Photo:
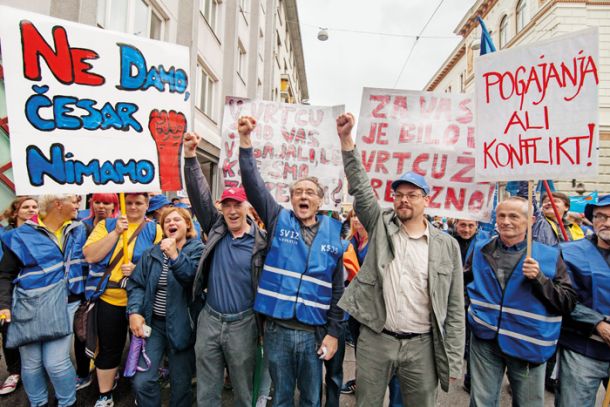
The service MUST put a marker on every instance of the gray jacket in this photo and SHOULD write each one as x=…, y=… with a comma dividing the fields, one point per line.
x=363, y=298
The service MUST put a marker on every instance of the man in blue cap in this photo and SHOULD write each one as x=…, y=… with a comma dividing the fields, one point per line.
x=584, y=359
x=408, y=294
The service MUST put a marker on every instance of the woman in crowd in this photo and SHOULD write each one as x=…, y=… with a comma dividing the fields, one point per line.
x=106, y=283
x=43, y=259
x=159, y=292
x=101, y=206
x=19, y=211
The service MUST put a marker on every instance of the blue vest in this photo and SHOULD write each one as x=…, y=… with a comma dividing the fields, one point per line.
x=145, y=240
x=44, y=262
x=480, y=236
x=296, y=281
x=590, y=275
x=523, y=326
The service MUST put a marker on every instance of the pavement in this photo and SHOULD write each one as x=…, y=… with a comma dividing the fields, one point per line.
x=123, y=397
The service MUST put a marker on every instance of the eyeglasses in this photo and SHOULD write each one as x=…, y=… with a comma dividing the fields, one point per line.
x=600, y=217
x=412, y=197
x=307, y=192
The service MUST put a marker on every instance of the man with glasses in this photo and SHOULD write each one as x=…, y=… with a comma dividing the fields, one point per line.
x=301, y=281
x=408, y=294
x=584, y=356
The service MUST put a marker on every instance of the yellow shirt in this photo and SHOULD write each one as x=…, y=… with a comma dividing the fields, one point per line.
x=59, y=233
x=117, y=296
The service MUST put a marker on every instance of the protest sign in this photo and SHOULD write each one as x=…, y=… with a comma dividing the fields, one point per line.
x=290, y=142
x=537, y=110
x=428, y=133
x=92, y=110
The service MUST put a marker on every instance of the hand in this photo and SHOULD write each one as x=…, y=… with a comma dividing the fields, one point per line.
x=531, y=269
x=168, y=246
x=345, y=123
x=127, y=268
x=330, y=343
x=167, y=129
x=5, y=314
x=136, y=325
x=603, y=329
x=191, y=141
x=245, y=126
x=121, y=224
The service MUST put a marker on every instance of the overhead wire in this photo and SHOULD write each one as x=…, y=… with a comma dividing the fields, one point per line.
x=417, y=38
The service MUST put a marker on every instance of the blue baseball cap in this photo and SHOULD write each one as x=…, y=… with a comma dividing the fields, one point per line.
x=412, y=178
x=603, y=201
x=157, y=202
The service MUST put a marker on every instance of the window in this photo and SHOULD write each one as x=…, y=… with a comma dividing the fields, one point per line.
x=209, y=9
x=503, y=31
x=520, y=13
x=241, y=61
x=131, y=16
x=206, y=91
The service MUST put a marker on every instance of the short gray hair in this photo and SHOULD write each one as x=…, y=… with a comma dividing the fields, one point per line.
x=310, y=179
x=518, y=199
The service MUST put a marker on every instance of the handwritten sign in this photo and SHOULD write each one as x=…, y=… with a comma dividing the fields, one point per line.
x=290, y=142
x=537, y=110
x=91, y=110
x=428, y=133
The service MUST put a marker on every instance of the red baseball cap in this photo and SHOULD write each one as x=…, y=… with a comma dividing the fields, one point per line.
x=237, y=194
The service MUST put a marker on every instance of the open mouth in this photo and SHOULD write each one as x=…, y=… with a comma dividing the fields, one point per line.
x=304, y=206
x=172, y=229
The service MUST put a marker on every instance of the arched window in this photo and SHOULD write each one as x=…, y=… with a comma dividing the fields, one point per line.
x=520, y=13
x=503, y=31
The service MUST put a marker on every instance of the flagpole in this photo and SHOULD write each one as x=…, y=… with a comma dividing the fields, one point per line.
x=530, y=215
x=555, y=211
x=124, y=234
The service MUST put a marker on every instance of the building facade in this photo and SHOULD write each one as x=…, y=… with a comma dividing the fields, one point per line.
x=517, y=22
x=245, y=48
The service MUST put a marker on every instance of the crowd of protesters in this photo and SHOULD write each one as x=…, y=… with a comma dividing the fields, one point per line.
x=268, y=296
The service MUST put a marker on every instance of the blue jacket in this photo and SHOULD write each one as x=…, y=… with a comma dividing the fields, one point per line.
x=522, y=324
x=145, y=240
x=297, y=279
x=590, y=275
x=43, y=261
x=142, y=287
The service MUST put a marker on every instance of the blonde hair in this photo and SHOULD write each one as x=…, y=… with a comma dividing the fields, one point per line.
x=45, y=202
x=185, y=214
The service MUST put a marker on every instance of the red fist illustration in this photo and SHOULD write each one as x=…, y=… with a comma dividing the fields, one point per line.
x=167, y=129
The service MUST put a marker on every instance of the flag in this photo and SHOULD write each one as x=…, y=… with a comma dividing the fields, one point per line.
x=578, y=203
x=487, y=44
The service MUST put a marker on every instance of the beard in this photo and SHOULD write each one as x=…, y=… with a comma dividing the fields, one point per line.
x=404, y=214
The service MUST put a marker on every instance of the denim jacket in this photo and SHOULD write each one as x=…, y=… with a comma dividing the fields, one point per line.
x=142, y=287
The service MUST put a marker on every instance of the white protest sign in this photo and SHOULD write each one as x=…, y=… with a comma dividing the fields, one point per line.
x=290, y=142
x=431, y=134
x=537, y=110
x=92, y=110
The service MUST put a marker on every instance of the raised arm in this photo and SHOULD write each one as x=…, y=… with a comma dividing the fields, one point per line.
x=197, y=187
x=359, y=186
x=258, y=195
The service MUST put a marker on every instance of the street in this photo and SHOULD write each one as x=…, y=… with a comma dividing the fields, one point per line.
x=123, y=396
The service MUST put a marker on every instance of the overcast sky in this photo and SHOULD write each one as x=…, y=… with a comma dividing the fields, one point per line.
x=339, y=68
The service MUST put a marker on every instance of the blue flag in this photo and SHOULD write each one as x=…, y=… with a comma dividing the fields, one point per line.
x=487, y=44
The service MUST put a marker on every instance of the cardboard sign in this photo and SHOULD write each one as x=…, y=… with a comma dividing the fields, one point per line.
x=92, y=110
x=290, y=142
x=431, y=134
x=537, y=110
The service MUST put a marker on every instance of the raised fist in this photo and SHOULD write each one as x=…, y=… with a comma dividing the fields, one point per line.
x=167, y=129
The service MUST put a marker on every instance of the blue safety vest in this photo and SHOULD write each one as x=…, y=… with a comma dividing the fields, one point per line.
x=144, y=240
x=296, y=281
x=523, y=326
x=44, y=261
x=590, y=275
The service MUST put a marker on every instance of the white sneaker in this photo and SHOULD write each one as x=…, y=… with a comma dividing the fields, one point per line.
x=10, y=384
x=104, y=402
x=262, y=401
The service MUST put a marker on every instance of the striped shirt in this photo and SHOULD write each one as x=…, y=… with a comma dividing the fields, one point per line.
x=161, y=294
